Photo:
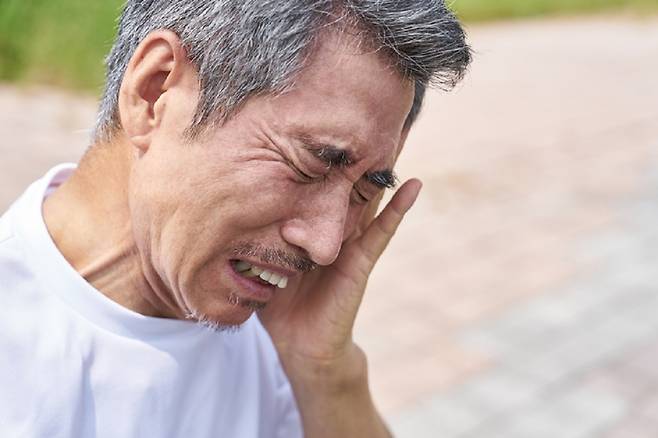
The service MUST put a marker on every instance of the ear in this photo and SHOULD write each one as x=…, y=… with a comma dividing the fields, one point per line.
x=158, y=64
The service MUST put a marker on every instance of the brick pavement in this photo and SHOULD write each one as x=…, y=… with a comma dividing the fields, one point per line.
x=518, y=298
x=579, y=361
x=547, y=272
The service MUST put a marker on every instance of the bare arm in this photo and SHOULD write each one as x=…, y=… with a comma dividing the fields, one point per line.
x=335, y=400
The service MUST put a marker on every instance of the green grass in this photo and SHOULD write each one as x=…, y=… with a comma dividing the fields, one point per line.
x=58, y=42
x=63, y=42
x=486, y=10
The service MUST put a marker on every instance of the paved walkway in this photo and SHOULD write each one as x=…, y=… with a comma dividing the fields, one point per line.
x=519, y=299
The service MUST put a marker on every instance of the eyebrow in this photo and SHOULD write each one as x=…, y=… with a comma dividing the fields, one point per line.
x=333, y=156
x=330, y=155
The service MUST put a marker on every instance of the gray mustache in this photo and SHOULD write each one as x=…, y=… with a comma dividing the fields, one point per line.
x=275, y=256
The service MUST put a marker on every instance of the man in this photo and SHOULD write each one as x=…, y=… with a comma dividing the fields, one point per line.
x=240, y=150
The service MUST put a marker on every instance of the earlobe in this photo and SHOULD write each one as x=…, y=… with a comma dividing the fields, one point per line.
x=155, y=67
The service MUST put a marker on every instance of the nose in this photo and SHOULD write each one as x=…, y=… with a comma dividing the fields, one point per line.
x=318, y=226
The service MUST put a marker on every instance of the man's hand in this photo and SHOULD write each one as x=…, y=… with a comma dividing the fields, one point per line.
x=311, y=325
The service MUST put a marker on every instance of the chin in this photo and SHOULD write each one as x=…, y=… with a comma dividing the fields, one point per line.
x=229, y=318
x=217, y=300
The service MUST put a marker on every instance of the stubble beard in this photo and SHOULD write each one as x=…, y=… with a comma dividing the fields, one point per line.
x=215, y=326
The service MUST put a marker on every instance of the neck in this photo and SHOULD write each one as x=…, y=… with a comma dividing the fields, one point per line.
x=97, y=238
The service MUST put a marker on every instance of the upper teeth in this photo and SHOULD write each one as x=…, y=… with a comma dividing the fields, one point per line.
x=248, y=270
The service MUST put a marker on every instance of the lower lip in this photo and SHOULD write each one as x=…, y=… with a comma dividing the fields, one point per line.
x=250, y=289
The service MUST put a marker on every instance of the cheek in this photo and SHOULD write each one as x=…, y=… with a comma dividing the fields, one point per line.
x=189, y=211
x=243, y=198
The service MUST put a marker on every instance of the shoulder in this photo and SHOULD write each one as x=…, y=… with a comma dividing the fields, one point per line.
x=11, y=250
x=5, y=231
x=6, y=228
x=14, y=224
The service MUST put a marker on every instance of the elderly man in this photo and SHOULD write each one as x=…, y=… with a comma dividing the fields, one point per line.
x=239, y=153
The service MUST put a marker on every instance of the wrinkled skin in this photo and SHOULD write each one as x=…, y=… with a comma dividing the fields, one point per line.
x=193, y=205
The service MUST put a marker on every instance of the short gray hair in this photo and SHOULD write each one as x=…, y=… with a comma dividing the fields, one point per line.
x=245, y=48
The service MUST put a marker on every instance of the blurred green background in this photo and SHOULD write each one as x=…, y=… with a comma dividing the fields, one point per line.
x=62, y=42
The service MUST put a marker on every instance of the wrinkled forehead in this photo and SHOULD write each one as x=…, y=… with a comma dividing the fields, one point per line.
x=354, y=95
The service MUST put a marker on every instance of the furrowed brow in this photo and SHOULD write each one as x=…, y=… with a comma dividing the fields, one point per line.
x=334, y=156
x=330, y=155
x=383, y=179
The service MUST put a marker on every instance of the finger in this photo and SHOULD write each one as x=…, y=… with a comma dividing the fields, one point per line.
x=374, y=240
x=366, y=217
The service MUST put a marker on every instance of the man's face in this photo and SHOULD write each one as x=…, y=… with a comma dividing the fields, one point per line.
x=260, y=189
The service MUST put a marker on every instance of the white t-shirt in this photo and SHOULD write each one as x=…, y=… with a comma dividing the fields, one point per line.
x=74, y=363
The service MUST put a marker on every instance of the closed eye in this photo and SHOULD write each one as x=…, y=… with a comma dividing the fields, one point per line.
x=305, y=177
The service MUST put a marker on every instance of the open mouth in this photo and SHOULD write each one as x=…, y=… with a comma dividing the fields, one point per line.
x=259, y=275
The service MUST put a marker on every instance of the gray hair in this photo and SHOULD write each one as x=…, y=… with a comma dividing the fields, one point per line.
x=246, y=48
